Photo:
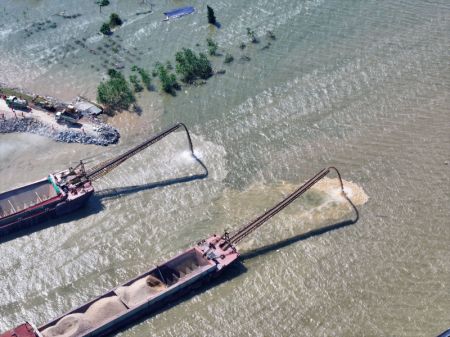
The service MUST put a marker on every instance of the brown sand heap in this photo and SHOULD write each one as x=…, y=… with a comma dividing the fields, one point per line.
x=140, y=290
x=74, y=325
x=104, y=309
x=155, y=282
x=69, y=326
x=332, y=187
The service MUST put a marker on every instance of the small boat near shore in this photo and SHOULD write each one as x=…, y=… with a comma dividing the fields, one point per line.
x=178, y=12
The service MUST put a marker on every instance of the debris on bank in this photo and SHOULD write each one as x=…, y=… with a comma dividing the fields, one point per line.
x=105, y=134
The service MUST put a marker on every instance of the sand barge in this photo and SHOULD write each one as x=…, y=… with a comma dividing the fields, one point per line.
x=65, y=191
x=160, y=285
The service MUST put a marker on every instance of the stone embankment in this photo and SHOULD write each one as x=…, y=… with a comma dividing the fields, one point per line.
x=88, y=131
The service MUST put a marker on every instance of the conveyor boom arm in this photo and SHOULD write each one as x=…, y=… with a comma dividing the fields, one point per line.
x=101, y=169
x=256, y=223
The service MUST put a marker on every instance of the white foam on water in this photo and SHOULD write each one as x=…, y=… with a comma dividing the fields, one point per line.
x=333, y=189
x=4, y=33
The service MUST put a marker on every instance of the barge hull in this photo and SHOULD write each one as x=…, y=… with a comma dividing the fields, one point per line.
x=149, y=308
x=28, y=205
x=41, y=213
x=164, y=283
x=144, y=294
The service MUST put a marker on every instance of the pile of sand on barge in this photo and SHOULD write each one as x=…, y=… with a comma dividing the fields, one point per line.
x=104, y=309
x=76, y=324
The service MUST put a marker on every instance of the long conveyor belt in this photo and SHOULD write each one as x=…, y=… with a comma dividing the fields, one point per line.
x=256, y=223
x=101, y=169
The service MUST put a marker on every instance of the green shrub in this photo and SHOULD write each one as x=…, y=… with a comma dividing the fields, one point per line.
x=251, y=34
x=115, y=20
x=155, y=71
x=137, y=86
x=104, y=29
x=168, y=81
x=115, y=93
x=228, y=58
x=271, y=35
x=102, y=3
x=191, y=66
x=212, y=46
x=145, y=78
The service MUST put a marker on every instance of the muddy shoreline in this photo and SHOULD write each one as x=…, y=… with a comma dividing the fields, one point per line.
x=41, y=122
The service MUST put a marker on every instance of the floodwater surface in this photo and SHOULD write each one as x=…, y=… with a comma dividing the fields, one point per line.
x=360, y=85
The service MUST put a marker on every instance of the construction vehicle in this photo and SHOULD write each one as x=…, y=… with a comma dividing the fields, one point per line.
x=17, y=103
x=69, y=115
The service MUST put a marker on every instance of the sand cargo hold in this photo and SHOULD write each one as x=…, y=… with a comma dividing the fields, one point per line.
x=150, y=291
x=30, y=204
x=64, y=191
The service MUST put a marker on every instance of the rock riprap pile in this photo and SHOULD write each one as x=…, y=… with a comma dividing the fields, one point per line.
x=104, y=134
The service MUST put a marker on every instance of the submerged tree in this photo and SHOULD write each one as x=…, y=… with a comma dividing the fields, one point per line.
x=145, y=77
x=115, y=93
x=136, y=85
x=102, y=3
x=228, y=58
x=211, y=17
x=251, y=34
x=104, y=29
x=115, y=20
x=191, y=67
x=168, y=81
x=212, y=46
x=271, y=35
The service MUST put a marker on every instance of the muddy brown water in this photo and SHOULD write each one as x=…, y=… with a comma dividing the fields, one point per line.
x=361, y=86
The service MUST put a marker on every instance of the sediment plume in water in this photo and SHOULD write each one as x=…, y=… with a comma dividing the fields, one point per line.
x=320, y=206
x=260, y=196
x=332, y=187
